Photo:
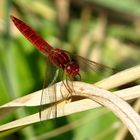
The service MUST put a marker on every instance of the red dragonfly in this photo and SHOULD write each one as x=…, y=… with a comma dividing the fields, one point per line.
x=70, y=64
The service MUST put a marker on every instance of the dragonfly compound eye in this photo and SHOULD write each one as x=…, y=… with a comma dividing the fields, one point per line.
x=72, y=69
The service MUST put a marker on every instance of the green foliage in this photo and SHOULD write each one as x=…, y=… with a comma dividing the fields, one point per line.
x=22, y=67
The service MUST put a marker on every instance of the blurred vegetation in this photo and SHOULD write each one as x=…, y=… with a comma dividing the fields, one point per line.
x=107, y=32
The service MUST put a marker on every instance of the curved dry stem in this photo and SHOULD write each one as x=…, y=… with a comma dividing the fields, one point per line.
x=103, y=97
x=122, y=133
x=106, y=98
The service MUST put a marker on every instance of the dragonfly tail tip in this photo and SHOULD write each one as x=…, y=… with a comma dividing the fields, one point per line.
x=12, y=17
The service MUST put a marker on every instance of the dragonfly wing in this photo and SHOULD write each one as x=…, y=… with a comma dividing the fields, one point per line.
x=91, y=65
x=51, y=75
x=87, y=64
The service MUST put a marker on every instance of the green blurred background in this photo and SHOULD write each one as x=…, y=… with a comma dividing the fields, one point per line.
x=105, y=31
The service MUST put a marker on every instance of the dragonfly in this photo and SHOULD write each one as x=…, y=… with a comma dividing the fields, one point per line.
x=70, y=64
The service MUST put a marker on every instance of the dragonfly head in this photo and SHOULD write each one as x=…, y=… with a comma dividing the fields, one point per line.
x=72, y=69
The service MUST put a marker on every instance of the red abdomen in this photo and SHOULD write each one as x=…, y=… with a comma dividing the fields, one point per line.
x=32, y=36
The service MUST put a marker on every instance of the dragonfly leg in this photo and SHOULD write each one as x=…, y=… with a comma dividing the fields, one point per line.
x=65, y=84
x=69, y=83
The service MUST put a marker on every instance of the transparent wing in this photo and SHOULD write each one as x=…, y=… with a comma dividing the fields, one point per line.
x=86, y=64
x=91, y=65
x=51, y=76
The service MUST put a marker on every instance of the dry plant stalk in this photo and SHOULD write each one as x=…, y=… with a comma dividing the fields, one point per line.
x=101, y=96
x=122, y=133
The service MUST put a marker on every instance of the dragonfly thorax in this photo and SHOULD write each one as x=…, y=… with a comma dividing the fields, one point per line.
x=59, y=58
x=72, y=69
x=62, y=60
